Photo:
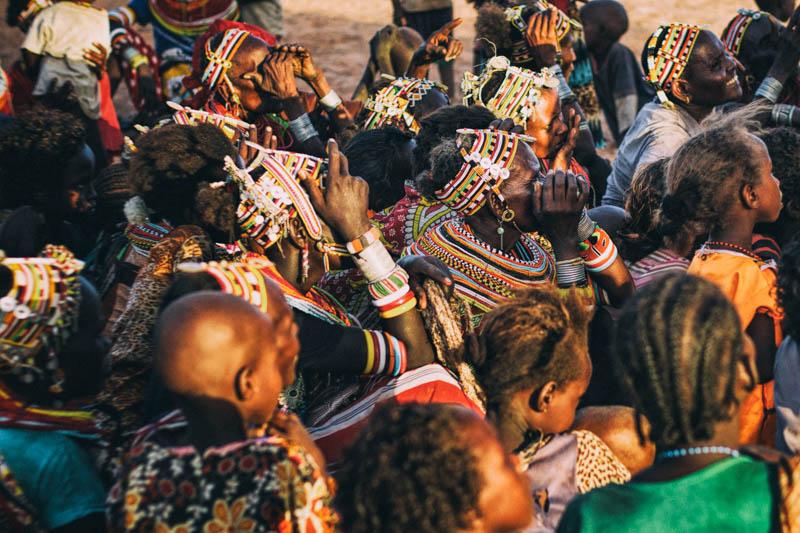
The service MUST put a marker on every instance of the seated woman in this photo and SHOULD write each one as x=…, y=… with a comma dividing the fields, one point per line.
x=432, y=469
x=53, y=358
x=402, y=102
x=647, y=252
x=533, y=365
x=685, y=363
x=692, y=73
x=519, y=228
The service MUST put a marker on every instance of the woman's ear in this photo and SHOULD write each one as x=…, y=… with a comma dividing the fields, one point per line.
x=681, y=91
x=244, y=384
x=541, y=400
x=496, y=206
x=749, y=196
x=746, y=369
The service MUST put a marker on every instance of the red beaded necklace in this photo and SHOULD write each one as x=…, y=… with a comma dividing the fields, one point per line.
x=732, y=247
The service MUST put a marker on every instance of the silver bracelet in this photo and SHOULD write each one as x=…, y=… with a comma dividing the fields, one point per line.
x=330, y=101
x=564, y=90
x=782, y=114
x=770, y=89
x=570, y=272
x=586, y=226
x=302, y=129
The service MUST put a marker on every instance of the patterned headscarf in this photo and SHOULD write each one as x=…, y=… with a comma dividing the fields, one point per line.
x=40, y=312
x=516, y=96
x=668, y=52
x=519, y=16
x=245, y=280
x=733, y=36
x=219, y=59
x=486, y=166
x=394, y=103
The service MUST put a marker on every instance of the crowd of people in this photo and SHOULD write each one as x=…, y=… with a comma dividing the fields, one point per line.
x=251, y=307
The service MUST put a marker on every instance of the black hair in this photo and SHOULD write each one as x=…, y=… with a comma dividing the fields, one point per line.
x=783, y=145
x=376, y=156
x=173, y=169
x=34, y=150
x=186, y=283
x=789, y=288
x=676, y=348
x=443, y=124
x=641, y=234
x=609, y=14
x=409, y=470
x=535, y=338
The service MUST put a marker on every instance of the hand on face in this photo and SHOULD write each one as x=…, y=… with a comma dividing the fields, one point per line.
x=279, y=75
x=558, y=202
x=564, y=154
x=542, y=38
x=345, y=201
x=302, y=62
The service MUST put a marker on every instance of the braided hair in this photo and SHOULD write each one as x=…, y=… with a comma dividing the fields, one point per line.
x=410, y=470
x=675, y=357
x=535, y=338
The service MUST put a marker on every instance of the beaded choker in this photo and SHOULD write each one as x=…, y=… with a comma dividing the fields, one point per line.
x=486, y=165
x=518, y=93
x=219, y=60
x=720, y=245
x=394, y=103
x=667, y=62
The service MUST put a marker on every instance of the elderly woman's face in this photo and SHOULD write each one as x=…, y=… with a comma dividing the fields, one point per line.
x=247, y=75
x=518, y=188
x=546, y=125
x=712, y=73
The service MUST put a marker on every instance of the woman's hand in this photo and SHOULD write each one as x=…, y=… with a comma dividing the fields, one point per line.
x=564, y=155
x=345, y=201
x=303, y=63
x=558, y=202
x=421, y=267
x=279, y=77
x=441, y=45
x=542, y=38
x=506, y=124
x=96, y=56
x=247, y=152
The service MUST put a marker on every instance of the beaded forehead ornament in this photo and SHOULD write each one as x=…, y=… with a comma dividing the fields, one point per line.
x=40, y=312
x=244, y=280
x=667, y=62
x=517, y=17
x=394, y=103
x=219, y=60
x=192, y=117
x=736, y=30
x=486, y=166
x=517, y=95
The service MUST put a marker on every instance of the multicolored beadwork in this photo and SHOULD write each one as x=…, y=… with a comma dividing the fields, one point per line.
x=518, y=17
x=192, y=117
x=245, y=280
x=667, y=62
x=219, y=60
x=394, y=103
x=736, y=30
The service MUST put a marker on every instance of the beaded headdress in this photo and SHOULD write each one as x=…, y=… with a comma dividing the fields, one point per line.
x=487, y=161
x=518, y=17
x=40, y=312
x=244, y=280
x=219, y=60
x=516, y=96
x=394, y=103
x=733, y=37
x=192, y=117
x=666, y=62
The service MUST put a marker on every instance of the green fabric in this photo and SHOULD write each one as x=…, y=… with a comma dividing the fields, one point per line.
x=731, y=495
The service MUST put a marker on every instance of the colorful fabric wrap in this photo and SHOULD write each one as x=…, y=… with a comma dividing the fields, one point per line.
x=192, y=17
x=486, y=166
x=230, y=126
x=244, y=279
x=517, y=95
x=598, y=251
x=219, y=60
x=394, y=104
x=144, y=236
x=733, y=36
x=668, y=52
x=519, y=16
x=39, y=312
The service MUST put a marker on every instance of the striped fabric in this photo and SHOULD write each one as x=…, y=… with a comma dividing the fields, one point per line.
x=656, y=265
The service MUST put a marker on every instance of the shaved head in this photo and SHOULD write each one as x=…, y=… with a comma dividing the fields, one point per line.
x=607, y=14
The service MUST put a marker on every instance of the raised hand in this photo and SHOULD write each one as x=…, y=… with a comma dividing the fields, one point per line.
x=279, y=77
x=422, y=267
x=564, y=155
x=542, y=38
x=441, y=45
x=558, y=201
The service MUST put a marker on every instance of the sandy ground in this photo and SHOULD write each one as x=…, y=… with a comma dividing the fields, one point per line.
x=337, y=31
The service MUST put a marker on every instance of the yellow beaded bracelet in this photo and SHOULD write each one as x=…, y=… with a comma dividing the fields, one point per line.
x=399, y=310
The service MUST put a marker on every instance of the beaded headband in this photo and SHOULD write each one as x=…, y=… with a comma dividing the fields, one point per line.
x=219, y=60
x=518, y=93
x=393, y=104
x=192, y=117
x=516, y=16
x=666, y=63
x=736, y=30
x=244, y=280
x=39, y=312
x=486, y=165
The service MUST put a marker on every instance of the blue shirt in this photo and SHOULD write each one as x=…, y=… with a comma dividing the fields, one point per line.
x=55, y=473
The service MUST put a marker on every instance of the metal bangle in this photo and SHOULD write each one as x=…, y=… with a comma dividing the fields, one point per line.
x=770, y=89
x=570, y=272
x=302, y=129
x=564, y=90
x=586, y=226
x=330, y=101
x=783, y=114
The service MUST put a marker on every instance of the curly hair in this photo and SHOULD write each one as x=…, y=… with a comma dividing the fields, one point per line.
x=789, y=288
x=376, y=156
x=535, y=338
x=704, y=178
x=492, y=26
x=173, y=168
x=641, y=236
x=676, y=348
x=442, y=124
x=34, y=150
x=410, y=470
x=783, y=145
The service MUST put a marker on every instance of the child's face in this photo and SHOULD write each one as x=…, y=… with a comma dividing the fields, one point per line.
x=768, y=189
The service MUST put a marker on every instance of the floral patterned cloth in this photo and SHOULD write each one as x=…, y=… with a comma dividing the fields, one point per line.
x=266, y=484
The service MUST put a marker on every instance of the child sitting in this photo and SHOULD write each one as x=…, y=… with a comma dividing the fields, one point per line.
x=618, y=79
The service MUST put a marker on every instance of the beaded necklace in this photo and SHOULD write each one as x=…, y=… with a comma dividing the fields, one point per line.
x=721, y=245
x=696, y=450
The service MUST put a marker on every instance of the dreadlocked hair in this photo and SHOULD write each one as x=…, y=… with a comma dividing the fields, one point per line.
x=410, y=469
x=443, y=124
x=675, y=354
x=704, y=179
x=173, y=169
x=641, y=236
x=537, y=337
x=789, y=288
x=34, y=150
